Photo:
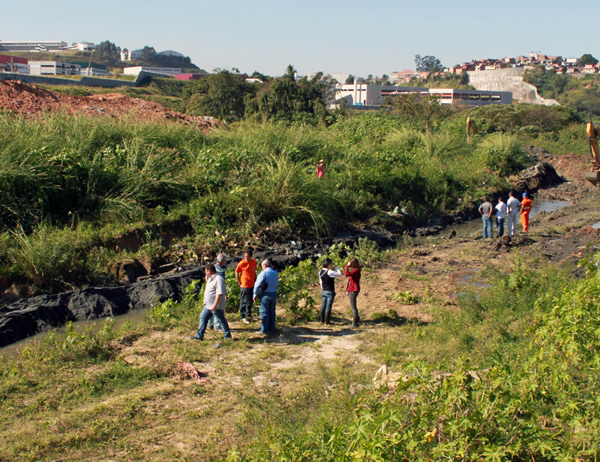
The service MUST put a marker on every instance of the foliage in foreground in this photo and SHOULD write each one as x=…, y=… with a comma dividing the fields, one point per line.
x=537, y=401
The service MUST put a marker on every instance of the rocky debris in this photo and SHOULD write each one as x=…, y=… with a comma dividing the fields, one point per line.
x=30, y=101
x=509, y=242
x=542, y=175
x=30, y=316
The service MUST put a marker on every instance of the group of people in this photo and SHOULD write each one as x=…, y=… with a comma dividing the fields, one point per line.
x=508, y=212
x=264, y=288
x=252, y=288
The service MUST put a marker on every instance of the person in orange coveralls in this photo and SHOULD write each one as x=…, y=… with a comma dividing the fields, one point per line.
x=525, y=209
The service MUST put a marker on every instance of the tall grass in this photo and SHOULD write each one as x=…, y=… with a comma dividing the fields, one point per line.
x=243, y=181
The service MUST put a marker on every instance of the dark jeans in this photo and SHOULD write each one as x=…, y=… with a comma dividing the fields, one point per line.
x=500, y=226
x=355, y=318
x=328, y=297
x=205, y=316
x=246, y=302
x=268, y=300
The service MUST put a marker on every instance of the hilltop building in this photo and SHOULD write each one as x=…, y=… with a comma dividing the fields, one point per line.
x=32, y=46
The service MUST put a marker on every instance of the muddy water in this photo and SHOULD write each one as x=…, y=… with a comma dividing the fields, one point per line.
x=13, y=350
x=472, y=228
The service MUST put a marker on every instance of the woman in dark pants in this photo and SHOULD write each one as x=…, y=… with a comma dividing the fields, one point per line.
x=352, y=272
x=327, y=277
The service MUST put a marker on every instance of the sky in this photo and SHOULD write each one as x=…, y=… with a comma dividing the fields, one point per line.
x=355, y=37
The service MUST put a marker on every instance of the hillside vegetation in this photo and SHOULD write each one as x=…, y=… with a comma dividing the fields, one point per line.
x=80, y=182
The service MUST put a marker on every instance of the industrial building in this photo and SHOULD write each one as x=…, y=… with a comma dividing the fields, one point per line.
x=53, y=68
x=155, y=70
x=14, y=64
x=32, y=46
x=374, y=96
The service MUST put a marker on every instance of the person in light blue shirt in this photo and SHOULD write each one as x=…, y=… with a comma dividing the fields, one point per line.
x=266, y=283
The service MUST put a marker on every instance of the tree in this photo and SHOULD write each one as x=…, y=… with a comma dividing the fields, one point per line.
x=350, y=79
x=304, y=101
x=587, y=59
x=222, y=95
x=419, y=112
x=428, y=64
x=108, y=51
x=148, y=54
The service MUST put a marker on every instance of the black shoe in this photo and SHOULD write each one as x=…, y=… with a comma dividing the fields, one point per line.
x=195, y=337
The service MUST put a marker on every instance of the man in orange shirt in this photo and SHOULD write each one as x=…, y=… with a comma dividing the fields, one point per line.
x=246, y=276
x=525, y=209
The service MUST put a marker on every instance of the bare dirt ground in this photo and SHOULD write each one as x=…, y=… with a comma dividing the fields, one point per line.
x=30, y=101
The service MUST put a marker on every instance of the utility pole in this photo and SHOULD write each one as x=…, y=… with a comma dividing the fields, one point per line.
x=90, y=63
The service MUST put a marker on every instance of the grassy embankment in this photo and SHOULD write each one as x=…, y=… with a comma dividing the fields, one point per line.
x=71, y=185
x=508, y=373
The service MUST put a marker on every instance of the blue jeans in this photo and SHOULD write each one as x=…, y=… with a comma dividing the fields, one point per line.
x=500, y=226
x=268, y=300
x=205, y=316
x=246, y=302
x=487, y=227
x=328, y=297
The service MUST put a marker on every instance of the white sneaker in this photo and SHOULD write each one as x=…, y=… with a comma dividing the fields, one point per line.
x=245, y=321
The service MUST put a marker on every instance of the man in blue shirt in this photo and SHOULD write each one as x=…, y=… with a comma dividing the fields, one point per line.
x=267, y=282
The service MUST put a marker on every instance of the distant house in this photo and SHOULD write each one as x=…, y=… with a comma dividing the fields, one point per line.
x=402, y=76
x=128, y=55
x=82, y=46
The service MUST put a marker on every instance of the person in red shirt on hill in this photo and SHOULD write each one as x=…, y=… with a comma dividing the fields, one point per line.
x=525, y=209
x=320, y=169
x=245, y=274
x=352, y=272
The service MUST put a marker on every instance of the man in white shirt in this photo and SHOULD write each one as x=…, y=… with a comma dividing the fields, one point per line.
x=501, y=210
x=214, y=302
x=514, y=207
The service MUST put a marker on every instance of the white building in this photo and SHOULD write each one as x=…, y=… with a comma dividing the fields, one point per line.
x=156, y=70
x=361, y=94
x=94, y=71
x=83, y=46
x=32, y=46
x=128, y=55
x=53, y=68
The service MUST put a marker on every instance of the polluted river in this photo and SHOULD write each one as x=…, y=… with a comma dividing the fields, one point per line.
x=467, y=229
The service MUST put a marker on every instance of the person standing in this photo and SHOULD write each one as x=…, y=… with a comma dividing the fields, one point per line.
x=352, y=272
x=513, y=206
x=525, y=209
x=245, y=274
x=267, y=283
x=486, y=209
x=320, y=169
x=220, y=265
x=327, y=277
x=214, y=302
x=500, y=216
